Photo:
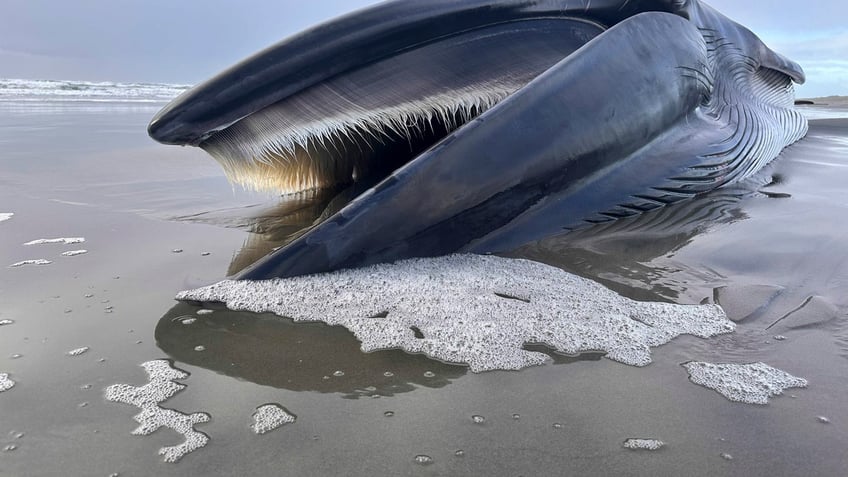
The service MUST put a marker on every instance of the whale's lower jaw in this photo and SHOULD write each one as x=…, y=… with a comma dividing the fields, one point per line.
x=504, y=133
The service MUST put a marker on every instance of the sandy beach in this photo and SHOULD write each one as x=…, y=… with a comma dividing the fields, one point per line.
x=157, y=220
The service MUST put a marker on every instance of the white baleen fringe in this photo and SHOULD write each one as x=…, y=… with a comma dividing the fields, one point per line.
x=270, y=150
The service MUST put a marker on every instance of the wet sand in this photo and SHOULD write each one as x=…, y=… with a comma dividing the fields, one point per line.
x=771, y=251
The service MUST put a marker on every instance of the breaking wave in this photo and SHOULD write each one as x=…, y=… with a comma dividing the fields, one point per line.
x=22, y=90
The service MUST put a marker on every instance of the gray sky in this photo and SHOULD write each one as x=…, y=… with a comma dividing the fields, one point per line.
x=186, y=41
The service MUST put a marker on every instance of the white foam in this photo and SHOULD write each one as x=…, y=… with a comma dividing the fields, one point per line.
x=5, y=382
x=4, y=216
x=78, y=351
x=74, y=253
x=62, y=240
x=38, y=261
x=269, y=417
x=644, y=444
x=62, y=90
x=472, y=309
x=751, y=383
x=161, y=387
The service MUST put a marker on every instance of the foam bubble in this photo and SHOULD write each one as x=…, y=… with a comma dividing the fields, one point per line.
x=751, y=383
x=62, y=240
x=643, y=444
x=78, y=351
x=472, y=309
x=269, y=417
x=161, y=387
x=5, y=382
x=38, y=261
x=74, y=253
x=4, y=216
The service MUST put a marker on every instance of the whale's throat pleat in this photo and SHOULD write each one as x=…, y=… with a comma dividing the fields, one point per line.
x=376, y=118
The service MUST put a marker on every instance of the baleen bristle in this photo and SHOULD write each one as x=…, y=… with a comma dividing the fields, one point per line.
x=276, y=150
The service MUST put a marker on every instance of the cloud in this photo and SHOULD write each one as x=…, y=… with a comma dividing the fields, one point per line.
x=822, y=54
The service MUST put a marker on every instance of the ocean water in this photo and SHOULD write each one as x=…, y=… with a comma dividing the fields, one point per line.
x=183, y=376
x=22, y=90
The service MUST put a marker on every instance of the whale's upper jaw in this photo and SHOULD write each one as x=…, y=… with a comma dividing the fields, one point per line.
x=346, y=43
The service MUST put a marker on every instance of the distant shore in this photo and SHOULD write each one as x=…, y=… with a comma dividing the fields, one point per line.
x=838, y=101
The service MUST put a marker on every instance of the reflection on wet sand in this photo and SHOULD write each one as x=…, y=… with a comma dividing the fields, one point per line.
x=272, y=226
x=620, y=253
x=274, y=351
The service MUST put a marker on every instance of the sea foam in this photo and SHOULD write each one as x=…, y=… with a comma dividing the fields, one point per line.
x=643, y=444
x=475, y=310
x=6, y=383
x=751, y=383
x=37, y=261
x=269, y=417
x=62, y=240
x=161, y=387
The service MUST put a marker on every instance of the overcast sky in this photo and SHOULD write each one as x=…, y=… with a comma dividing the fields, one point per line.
x=186, y=41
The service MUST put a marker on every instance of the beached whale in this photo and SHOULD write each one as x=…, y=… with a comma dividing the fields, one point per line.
x=489, y=124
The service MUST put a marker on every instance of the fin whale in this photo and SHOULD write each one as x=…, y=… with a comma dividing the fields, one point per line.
x=489, y=124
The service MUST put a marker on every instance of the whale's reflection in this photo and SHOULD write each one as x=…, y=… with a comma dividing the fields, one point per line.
x=273, y=351
x=623, y=254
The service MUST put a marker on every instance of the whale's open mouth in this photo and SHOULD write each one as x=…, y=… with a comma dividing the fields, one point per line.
x=370, y=120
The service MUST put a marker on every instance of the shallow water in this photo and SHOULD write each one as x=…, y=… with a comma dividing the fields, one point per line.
x=771, y=251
